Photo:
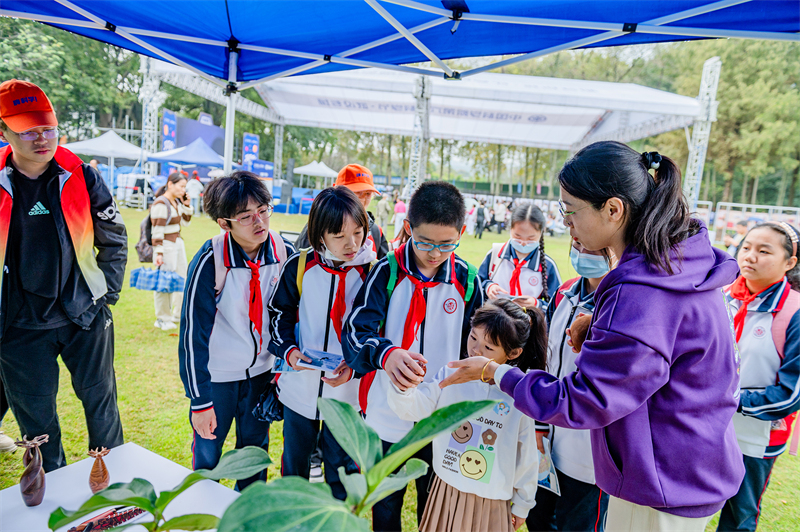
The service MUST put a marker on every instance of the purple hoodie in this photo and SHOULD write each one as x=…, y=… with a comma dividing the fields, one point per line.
x=657, y=383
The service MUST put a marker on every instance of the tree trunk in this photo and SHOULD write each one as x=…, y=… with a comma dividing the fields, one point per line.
x=441, y=161
x=449, y=157
x=525, y=174
x=754, y=196
x=793, y=186
x=403, y=162
x=743, y=198
x=782, y=190
x=390, y=170
x=714, y=188
x=727, y=191
x=535, y=169
x=498, y=185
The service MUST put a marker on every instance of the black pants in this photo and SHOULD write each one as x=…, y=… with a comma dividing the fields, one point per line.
x=581, y=507
x=480, y=226
x=29, y=370
x=3, y=403
x=741, y=512
x=387, y=514
x=299, y=441
x=233, y=401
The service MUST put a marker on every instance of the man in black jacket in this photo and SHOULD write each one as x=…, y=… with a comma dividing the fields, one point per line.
x=64, y=248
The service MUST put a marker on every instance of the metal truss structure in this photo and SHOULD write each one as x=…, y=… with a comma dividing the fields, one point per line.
x=627, y=133
x=418, y=163
x=702, y=131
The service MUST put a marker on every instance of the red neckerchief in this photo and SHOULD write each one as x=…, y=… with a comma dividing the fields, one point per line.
x=256, y=309
x=740, y=292
x=339, y=307
x=418, y=307
x=516, y=289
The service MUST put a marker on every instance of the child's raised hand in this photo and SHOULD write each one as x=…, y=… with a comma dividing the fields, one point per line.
x=404, y=369
x=517, y=522
x=294, y=357
x=470, y=369
x=342, y=373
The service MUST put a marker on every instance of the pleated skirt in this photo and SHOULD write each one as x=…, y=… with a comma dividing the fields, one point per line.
x=451, y=510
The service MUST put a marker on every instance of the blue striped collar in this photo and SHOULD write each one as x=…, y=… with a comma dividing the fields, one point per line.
x=576, y=289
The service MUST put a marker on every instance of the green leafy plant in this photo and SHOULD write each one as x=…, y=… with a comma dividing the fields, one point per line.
x=237, y=465
x=292, y=503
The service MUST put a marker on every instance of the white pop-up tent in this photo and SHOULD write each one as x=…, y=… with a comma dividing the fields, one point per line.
x=316, y=169
x=109, y=145
x=507, y=109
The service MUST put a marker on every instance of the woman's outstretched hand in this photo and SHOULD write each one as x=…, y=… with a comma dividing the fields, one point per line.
x=470, y=369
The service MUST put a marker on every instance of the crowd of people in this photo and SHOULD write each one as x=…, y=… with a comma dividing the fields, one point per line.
x=664, y=377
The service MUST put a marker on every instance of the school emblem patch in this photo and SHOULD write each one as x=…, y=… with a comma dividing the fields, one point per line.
x=533, y=281
x=450, y=305
x=274, y=281
x=759, y=332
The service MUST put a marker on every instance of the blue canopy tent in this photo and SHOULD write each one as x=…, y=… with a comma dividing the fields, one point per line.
x=238, y=44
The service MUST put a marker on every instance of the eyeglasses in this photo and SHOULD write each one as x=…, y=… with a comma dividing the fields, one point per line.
x=249, y=219
x=427, y=246
x=563, y=211
x=29, y=136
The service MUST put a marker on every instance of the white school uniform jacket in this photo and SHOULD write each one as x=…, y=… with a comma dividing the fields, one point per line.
x=375, y=328
x=770, y=383
x=311, y=312
x=493, y=456
x=571, y=449
x=498, y=266
x=217, y=343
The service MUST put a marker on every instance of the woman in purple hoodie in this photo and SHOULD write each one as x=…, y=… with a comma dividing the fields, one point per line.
x=657, y=378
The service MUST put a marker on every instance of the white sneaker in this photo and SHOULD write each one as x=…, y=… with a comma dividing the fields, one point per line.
x=315, y=475
x=168, y=325
x=158, y=324
x=7, y=445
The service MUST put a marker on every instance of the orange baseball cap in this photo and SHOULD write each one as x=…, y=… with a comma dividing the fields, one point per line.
x=357, y=178
x=24, y=106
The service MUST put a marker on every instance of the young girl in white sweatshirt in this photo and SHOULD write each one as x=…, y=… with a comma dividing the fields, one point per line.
x=487, y=469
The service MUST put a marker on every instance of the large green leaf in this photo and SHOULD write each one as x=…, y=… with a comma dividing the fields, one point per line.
x=191, y=522
x=237, y=464
x=357, y=439
x=412, y=469
x=138, y=492
x=356, y=486
x=289, y=503
x=444, y=419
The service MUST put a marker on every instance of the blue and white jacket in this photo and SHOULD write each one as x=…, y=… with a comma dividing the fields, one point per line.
x=311, y=313
x=571, y=448
x=216, y=341
x=498, y=270
x=375, y=328
x=770, y=384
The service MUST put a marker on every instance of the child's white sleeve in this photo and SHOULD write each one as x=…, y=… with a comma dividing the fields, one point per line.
x=416, y=403
x=526, y=477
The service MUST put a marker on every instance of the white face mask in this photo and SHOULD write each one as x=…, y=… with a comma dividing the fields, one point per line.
x=330, y=256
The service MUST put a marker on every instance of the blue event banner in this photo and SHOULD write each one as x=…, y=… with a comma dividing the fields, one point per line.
x=169, y=130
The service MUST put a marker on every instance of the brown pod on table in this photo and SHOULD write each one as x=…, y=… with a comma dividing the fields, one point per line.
x=31, y=484
x=98, y=479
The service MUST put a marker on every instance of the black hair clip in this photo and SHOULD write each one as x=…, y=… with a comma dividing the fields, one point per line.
x=651, y=159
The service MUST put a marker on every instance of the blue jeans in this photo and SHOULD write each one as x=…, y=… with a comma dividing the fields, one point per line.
x=741, y=512
x=299, y=443
x=581, y=507
x=234, y=401
x=387, y=514
x=196, y=205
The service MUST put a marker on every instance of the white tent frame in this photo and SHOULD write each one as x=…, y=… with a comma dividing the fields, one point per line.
x=610, y=31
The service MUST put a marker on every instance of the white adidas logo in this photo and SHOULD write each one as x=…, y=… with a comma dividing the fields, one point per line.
x=38, y=209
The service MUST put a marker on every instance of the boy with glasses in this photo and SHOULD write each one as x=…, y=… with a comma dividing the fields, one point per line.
x=63, y=247
x=223, y=357
x=411, y=318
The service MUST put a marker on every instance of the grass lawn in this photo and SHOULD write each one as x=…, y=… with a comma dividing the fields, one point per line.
x=155, y=412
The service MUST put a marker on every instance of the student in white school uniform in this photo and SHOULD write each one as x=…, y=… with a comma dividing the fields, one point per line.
x=582, y=506
x=414, y=309
x=223, y=354
x=767, y=327
x=315, y=293
x=486, y=471
x=520, y=267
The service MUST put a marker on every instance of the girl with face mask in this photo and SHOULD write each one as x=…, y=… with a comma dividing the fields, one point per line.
x=314, y=295
x=519, y=267
x=582, y=505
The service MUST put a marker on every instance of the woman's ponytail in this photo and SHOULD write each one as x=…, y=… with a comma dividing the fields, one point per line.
x=662, y=221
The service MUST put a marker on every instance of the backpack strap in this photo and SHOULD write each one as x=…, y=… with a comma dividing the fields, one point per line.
x=390, y=285
x=279, y=245
x=301, y=269
x=780, y=322
x=219, y=244
x=497, y=249
x=472, y=272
